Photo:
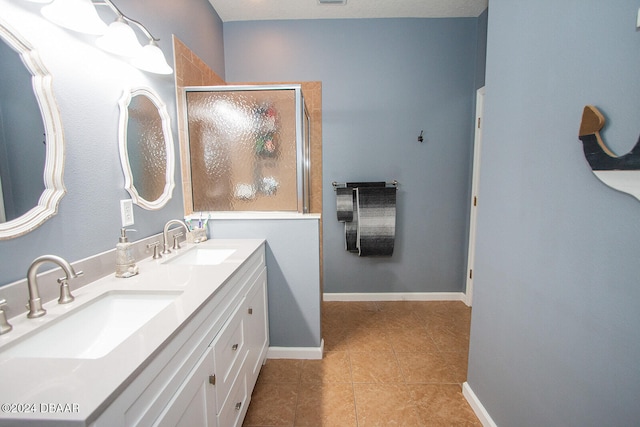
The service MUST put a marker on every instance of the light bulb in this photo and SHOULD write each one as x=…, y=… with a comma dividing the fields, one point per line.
x=120, y=39
x=152, y=59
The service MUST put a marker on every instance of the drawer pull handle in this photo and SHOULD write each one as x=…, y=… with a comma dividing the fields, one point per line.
x=250, y=310
x=234, y=347
x=238, y=406
x=212, y=379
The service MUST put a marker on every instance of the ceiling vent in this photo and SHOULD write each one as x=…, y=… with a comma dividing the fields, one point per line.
x=332, y=1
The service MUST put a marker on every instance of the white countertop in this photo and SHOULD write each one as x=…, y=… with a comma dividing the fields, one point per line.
x=79, y=387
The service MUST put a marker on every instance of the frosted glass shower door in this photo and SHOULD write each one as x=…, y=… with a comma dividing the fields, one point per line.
x=245, y=148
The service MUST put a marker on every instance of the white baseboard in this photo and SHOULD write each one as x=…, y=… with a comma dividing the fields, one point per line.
x=477, y=406
x=296, y=352
x=396, y=296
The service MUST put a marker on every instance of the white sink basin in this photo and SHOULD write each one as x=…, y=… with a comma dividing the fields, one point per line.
x=202, y=256
x=93, y=330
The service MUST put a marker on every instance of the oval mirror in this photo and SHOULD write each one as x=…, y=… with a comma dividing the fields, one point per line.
x=31, y=138
x=146, y=148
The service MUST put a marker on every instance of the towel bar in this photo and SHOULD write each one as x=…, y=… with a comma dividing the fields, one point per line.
x=335, y=184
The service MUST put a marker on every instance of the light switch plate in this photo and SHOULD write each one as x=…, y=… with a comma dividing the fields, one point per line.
x=126, y=212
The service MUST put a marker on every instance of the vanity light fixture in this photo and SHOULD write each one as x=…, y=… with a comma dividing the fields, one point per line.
x=118, y=38
x=151, y=59
x=76, y=15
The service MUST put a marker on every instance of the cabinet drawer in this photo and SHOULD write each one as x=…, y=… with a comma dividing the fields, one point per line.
x=234, y=410
x=229, y=351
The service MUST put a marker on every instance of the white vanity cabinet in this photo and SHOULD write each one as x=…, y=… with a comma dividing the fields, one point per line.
x=204, y=376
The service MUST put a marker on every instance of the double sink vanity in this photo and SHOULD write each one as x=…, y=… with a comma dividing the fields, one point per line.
x=181, y=343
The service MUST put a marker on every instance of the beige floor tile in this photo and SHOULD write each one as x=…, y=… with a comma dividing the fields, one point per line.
x=330, y=321
x=450, y=338
x=397, y=363
x=370, y=340
x=332, y=368
x=281, y=371
x=442, y=405
x=456, y=324
x=362, y=319
x=272, y=405
x=356, y=314
x=401, y=306
x=412, y=340
x=335, y=339
x=457, y=362
x=375, y=367
x=349, y=306
x=385, y=405
x=425, y=368
x=444, y=313
x=398, y=320
x=327, y=404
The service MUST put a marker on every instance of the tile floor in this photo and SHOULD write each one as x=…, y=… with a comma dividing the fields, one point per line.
x=399, y=363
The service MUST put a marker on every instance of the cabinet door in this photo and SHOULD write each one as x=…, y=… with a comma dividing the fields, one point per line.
x=194, y=402
x=257, y=327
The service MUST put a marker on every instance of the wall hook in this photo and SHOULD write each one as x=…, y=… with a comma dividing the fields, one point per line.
x=420, y=138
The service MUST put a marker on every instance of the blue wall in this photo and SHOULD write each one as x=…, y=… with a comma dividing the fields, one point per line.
x=383, y=81
x=293, y=272
x=554, y=333
x=87, y=85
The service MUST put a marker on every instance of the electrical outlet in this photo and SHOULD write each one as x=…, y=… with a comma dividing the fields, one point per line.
x=126, y=212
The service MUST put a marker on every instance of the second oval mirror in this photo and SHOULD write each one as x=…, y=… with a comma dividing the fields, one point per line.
x=146, y=148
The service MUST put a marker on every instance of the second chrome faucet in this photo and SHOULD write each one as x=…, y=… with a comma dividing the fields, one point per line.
x=165, y=233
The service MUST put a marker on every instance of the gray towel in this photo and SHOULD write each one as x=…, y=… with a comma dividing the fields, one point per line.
x=351, y=226
x=351, y=229
x=376, y=216
x=344, y=204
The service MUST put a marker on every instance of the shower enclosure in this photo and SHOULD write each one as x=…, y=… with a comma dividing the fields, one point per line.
x=249, y=148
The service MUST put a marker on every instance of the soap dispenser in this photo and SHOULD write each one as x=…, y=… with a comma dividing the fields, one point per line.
x=125, y=263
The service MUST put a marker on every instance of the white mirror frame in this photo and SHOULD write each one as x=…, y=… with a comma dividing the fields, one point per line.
x=54, y=188
x=124, y=102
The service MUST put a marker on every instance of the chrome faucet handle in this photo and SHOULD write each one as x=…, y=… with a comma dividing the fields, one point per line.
x=65, y=292
x=176, y=244
x=155, y=245
x=77, y=274
x=4, y=325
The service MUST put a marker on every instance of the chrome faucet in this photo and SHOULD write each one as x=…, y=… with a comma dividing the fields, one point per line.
x=165, y=233
x=35, y=305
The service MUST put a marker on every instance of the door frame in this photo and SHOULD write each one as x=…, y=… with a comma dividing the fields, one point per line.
x=473, y=213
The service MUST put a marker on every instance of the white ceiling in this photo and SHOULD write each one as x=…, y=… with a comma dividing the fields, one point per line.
x=255, y=10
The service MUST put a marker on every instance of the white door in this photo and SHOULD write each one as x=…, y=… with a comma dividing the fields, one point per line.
x=477, y=142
